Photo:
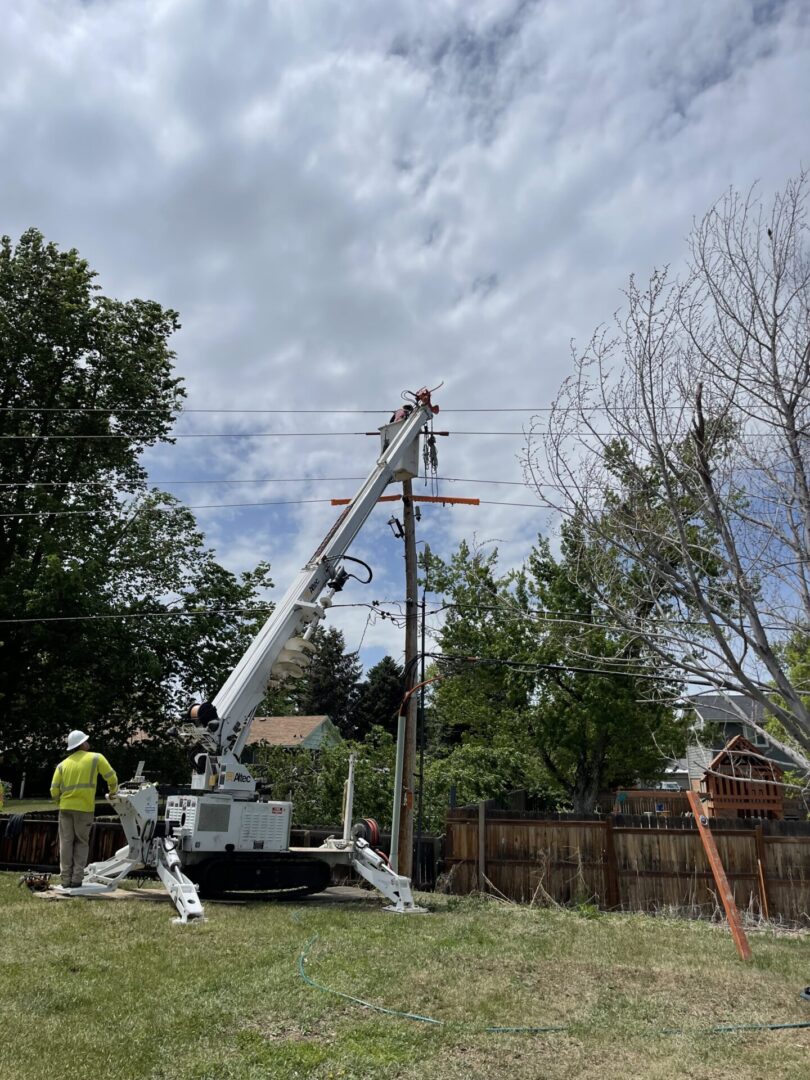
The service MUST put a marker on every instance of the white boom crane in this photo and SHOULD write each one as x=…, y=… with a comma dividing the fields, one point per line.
x=222, y=836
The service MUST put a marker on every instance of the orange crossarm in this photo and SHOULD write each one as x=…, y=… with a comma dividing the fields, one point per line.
x=445, y=499
x=723, y=887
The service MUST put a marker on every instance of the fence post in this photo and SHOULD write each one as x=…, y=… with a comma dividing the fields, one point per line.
x=482, y=846
x=762, y=875
x=612, y=897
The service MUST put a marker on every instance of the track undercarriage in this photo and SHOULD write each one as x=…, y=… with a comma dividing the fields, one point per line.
x=242, y=875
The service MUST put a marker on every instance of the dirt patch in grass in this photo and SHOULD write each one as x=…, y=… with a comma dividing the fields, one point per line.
x=290, y=1031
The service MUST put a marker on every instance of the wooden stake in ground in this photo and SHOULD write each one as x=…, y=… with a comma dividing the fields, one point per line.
x=723, y=887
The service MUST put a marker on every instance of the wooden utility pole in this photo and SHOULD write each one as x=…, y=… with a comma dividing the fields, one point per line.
x=405, y=849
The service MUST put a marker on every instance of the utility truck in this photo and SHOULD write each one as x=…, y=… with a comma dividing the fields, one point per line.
x=221, y=835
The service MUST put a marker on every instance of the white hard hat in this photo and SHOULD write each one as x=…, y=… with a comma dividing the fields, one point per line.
x=76, y=738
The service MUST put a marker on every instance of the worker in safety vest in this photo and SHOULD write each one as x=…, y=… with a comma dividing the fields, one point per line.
x=74, y=788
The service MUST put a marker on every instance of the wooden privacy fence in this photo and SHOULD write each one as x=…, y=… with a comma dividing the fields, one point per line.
x=34, y=845
x=621, y=863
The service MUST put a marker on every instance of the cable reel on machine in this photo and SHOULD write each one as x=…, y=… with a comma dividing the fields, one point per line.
x=367, y=829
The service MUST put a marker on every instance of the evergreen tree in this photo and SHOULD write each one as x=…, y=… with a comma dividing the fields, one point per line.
x=379, y=698
x=331, y=683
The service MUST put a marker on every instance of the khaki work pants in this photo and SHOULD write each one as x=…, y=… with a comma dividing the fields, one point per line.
x=74, y=845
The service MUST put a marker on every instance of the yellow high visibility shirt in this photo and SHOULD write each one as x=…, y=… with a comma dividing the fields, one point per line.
x=74, y=780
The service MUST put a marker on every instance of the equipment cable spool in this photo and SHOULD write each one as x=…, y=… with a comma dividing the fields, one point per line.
x=367, y=829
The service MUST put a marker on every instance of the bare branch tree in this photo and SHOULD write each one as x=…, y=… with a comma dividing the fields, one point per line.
x=678, y=456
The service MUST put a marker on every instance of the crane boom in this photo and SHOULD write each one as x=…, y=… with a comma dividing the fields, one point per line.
x=247, y=684
x=220, y=728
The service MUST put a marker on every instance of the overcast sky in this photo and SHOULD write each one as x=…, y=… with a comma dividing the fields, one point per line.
x=348, y=199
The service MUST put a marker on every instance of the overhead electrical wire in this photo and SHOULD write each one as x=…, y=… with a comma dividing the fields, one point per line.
x=259, y=609
x=180, y=507
x=252, y=480
x=238, y=435
x=326, y=410
x=175, y=509
x=540, y=615
x=528, y=668
x=322, y=434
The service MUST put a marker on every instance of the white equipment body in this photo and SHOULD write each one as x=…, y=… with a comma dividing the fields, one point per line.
x=221, y=833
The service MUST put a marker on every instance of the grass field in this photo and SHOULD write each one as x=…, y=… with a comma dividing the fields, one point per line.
x=23, y=806
x=114, y=989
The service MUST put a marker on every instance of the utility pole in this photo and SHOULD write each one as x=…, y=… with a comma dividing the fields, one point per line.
x=405, y=846
x=421, y=729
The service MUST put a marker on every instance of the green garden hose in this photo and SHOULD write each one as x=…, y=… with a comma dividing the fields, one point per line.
x=717, y=1029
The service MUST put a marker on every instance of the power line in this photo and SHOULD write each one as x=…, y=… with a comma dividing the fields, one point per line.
x=542, y=615
x=212, y=480
x=242, y=435
x=169, y=614
x=251, y=480
x=177, y=509
x=181, y=507
x=327, y=410
x=565, y=668
x=554, y=617
x=491, y=502
x=327, y=434
x=209, y=480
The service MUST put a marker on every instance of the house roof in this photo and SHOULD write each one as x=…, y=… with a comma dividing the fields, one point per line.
x=720, y=709
x=723, y=708
x=740, y=747
x=285, y=730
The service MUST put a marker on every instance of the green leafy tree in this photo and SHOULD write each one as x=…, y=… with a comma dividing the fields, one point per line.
x=484, y=620
x=314, y=780
x=596, y=724
x=475, y=772
x=107, y=582
x=587, y=726
x=796, y=660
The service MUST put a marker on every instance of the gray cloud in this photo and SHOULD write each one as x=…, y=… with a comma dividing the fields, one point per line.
x=345, y=200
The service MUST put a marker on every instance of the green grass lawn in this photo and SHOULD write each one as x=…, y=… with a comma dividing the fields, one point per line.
x=23, y=806
x=114, y=989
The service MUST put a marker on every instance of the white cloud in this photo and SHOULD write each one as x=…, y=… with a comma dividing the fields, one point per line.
x=345, y=200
